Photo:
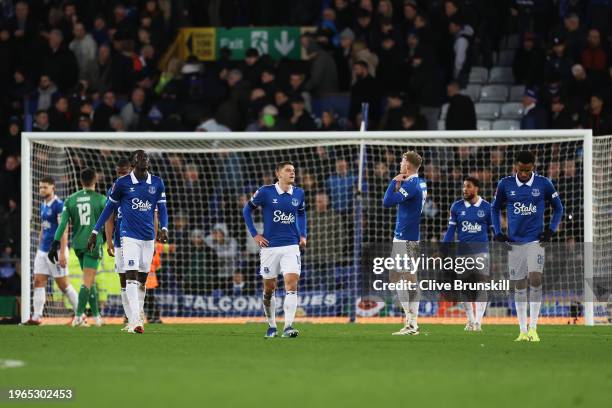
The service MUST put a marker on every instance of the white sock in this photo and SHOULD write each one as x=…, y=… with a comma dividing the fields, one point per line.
x=270, y=311
x=404, y=298
x=469, y=311
x=142, y=292
x=73, y=297
x=481, y=307
x=535, y=301
x=413, y=312
x=125, y=303
x=520, y=300
x=131, y=289
x=39, y=303
x=289, y=306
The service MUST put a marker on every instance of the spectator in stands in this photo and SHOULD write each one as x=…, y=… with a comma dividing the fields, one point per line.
x=60, y=63
x=342, y=56
x=561, y=117
x=580, y=88
x=233, y=112
x=462, y=38
x=389, y=67
x=100, y=31
x=60, y=117
x=226, y=250
x=574, y=36
x=41, y=122
x=117, y=124
x=461, y=114
x=133, y=112
x=327, y=244
x=11, y=223
x=11, y=143
x=412, y=120
x=424, y=89
x=558, y=64
x=597, y=117
x=253, y=67
x=392, y=118
x=301, y=119
x=344, y=14
x=10, y=180
x=329, y=122
x=104, y=111
x=43, y=96
x=534, y=116
x=323, y=74
x=365, y=89
x=283, y=104
x=529, y=61
x=85, y=51
x=361, y=52
x=296, y=87
x=101, y=73
x=594, y=58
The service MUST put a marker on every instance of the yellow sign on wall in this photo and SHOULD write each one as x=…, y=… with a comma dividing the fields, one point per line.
x=199, y=42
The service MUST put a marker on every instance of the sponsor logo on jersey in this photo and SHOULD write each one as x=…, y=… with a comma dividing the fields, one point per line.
x=403, y=192
x=280, y=216
x=535, y=192
x=480, y=213
x=152, y=189
x=467, y=226
x=522, y=209
x=295, y=202
x=138, y=204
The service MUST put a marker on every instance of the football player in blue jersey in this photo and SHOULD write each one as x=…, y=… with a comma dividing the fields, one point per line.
x=408, y=192
x=50, y=213
x=113, y=240
x=284, y=232
x=470, y=220
x=525, y=196
x=137, y=195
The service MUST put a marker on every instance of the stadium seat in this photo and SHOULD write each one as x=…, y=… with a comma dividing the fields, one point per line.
x=512, y=110
x=473, y=91
x=505, y=58
x=516, y=93
x=483, y=125
x=478, y=75
x=506, y=125
x=501, y=75
x=443, y=111
x=510, y=42
x=487, y=110
x=338, y=102
x=494, y=93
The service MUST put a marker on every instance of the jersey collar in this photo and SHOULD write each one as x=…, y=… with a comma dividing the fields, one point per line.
x=48, y=203
x=135, y=180
x=280, y=191
x=468, y=204
x=529, y=183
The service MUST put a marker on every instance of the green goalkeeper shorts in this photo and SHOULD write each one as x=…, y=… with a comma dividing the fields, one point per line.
x=88, y=260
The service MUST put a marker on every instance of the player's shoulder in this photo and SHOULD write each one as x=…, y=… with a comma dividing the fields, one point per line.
x=123, y=180
x=485, y=202
x=298, y=190
x=507, y=179
x=542, y=179
x=156, y=179
x=457, y=204
x=266, y=188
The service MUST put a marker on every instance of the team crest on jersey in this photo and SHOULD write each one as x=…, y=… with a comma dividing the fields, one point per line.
x=480, y=213
x=535, y=192
x=295, y=202
x=152, y=189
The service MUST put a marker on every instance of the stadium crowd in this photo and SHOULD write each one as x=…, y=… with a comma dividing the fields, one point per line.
x=94, y=66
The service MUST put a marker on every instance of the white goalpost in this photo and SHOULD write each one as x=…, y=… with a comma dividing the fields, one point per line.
x=209, y=268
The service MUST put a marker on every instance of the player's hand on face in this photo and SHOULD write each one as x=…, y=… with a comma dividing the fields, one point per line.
x=302, y=242
x=53, y=255
x=261, y=241
x=91, y=242
x=163, y=236
x=400, y=177
x=110, y=249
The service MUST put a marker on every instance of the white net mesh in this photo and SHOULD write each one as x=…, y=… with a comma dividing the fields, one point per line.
x=210, y=267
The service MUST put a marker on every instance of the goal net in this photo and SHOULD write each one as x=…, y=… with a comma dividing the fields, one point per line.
x=210, y=266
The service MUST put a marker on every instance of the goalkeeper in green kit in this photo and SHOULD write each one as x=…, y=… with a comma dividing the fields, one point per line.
x=82, y=209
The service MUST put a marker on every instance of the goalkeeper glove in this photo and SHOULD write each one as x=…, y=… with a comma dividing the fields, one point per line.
x=501, y=237
x=546, y=235
x=53, y=251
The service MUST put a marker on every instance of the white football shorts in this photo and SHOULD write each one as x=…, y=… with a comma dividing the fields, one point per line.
x=277, y=260
x=525, y=258
x=137, y=254
x=43, y=266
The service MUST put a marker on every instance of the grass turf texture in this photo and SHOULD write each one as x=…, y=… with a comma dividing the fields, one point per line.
x=328, y=365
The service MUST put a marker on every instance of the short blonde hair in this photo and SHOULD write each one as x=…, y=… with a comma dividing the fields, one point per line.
x=413, y=158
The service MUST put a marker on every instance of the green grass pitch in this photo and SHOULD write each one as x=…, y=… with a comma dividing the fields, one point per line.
x=327, y=366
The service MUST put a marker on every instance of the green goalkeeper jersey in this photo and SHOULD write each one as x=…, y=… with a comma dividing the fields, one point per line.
x=82, y=209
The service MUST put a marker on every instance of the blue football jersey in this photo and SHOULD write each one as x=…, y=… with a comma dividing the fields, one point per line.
x=282, y=212
x=137, y=201
x=117, y=228
x=409, y=200
x=472, y=221
x=49, y=220
x=525, y=205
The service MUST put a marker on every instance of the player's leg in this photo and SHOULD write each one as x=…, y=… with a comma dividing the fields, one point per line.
x=269, y=269
x=90, y=268
x=146, y=257
x=517, y=265
x=142, y=292
x=409, y=299
x=132, y=249
x=38, y=298
x=121, y=272
x=290, y=266
x=482, y=295
x=535, y=266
